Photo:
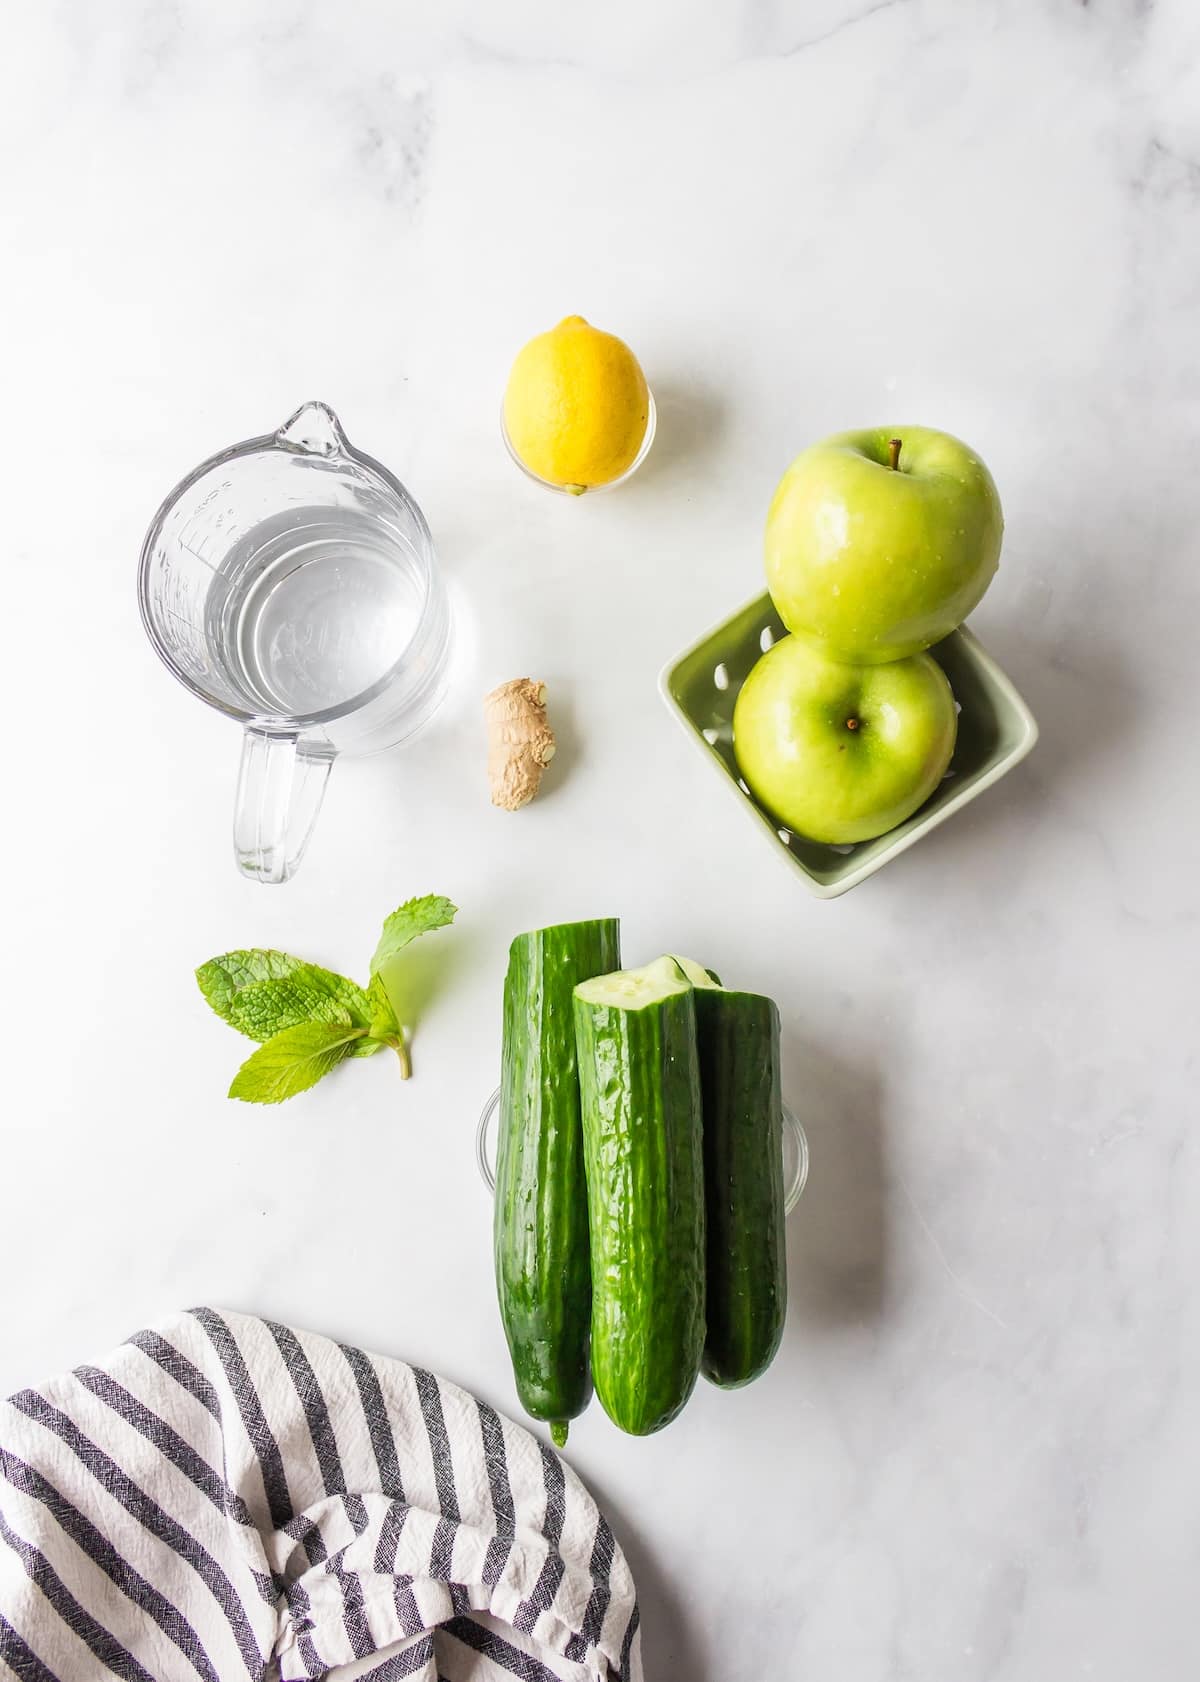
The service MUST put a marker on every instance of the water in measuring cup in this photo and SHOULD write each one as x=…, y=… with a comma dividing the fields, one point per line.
x=312, y=608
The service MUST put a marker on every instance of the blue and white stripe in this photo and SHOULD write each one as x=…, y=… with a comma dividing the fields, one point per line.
x=226, y=1497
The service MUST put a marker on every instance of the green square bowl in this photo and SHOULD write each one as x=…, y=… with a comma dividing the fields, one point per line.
x=995, y=732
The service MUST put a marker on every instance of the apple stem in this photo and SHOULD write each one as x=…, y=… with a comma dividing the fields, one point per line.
x=851, y=724
x=894, y=447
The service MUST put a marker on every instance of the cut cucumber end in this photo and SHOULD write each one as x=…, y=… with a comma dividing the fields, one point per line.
x=560, y=931
x=558, y=1432
x=631, y=989
x=697, y=974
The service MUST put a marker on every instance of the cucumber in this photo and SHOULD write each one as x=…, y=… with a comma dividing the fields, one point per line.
x=540, y=1222
x=746, y=1268
x=696, y=973
x=639, y=1081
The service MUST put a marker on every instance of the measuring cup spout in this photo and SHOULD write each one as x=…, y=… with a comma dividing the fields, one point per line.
x=314, y=430
x=281, y=784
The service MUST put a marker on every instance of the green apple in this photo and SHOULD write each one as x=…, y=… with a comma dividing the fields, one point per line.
x=881, y=542
x=839, y=752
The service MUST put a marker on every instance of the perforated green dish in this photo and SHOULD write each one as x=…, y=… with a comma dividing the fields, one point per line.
x=995, y=732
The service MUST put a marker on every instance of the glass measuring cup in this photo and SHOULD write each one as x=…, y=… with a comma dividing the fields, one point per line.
x=291, y=583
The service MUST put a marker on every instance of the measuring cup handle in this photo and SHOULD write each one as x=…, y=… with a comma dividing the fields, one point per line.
x=281, y=784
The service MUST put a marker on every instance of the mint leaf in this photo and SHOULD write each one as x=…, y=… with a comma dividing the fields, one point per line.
x=221, y=978
x=258, y=993
x=308, y=994
x=384, y=1029
x=414, y=917
x=292, y=1060
x=384, y=1025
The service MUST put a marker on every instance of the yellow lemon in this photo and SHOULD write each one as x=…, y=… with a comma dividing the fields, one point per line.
x=576, y=406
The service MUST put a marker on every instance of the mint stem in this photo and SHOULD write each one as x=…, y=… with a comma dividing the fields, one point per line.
x=405, y=1060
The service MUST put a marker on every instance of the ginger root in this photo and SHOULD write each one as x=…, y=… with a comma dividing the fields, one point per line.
x=520, y=741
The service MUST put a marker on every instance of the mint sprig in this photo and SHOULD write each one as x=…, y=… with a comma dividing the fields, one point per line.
x=308, y=1019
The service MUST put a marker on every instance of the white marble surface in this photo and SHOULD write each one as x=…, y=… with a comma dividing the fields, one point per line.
x=975, y=1459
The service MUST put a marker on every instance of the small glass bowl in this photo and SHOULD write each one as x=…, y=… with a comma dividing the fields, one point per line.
x=795, y=1152
x=586, y=490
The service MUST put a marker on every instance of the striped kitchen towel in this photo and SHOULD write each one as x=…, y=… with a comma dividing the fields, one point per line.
x=227, y=1498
